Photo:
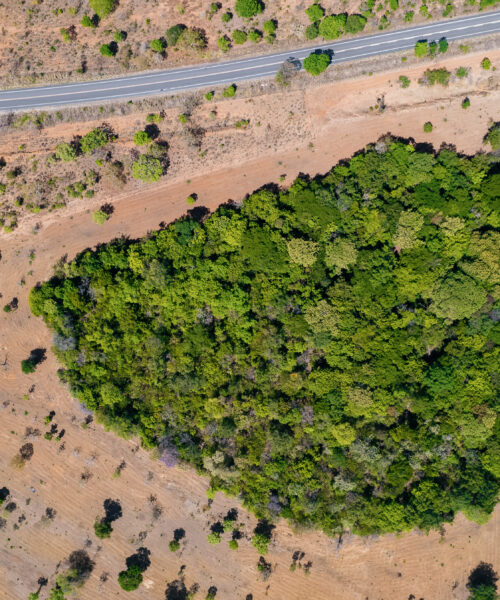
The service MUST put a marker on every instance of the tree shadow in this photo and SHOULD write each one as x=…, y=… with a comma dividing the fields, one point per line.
x=483, y=574
x=38, y=355
x=179, y=534
x=198, y=213
x=139, y=559
x=176, y=590
x=152, y=130
x=113, y=510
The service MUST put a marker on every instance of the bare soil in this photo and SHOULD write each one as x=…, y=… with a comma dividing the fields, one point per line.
x=75, y=475
x=32, y=49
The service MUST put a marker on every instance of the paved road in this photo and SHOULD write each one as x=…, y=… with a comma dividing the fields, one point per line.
x=204, y=76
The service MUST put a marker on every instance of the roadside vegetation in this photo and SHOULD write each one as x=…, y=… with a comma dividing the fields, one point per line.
x=326, y=352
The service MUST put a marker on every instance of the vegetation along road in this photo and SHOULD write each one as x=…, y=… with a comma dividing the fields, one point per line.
x=207, y=75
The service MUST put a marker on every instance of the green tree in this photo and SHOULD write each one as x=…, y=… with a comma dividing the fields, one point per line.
x=97, y=138
x=333, y=26
x=130, y=579
x=486, y=64
x=141, y=138
x=192, y=39
x=158, y=45
x=224, y=43
x=108, y=49
x=87, y=22
x=230, y=91
x=239, y=36
x=316, y=63
x=312, y=31
x=173, y=34
x=102, y=528
x=28, y=366
x=443, y=45
x=103, y=8
x=428, y=127
x=147, y=169
x=457, y=297
x=493, y=137
x=421, y=49
x=315, y=12
x=355, y=23
x=248, y=8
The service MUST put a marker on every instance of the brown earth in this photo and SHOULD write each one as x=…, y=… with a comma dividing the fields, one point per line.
x=75, y=476
x=32, y=49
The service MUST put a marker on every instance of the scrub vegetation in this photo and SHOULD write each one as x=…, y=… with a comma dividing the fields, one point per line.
x=328, y=352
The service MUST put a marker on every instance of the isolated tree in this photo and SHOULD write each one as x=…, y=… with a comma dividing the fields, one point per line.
x=141, y=138
x=248, y=8
x=316, y=63
x=147, y=169
x=102, y=528
x=130, y=579
x=102, y=8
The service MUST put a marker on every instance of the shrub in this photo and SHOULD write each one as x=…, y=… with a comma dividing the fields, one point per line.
x=409, y=16
x=462, y=72
x=224, y=43
x=191, y=199
x=158, y=45
x=209, y=96
x=260, y=541
x=173, y=34
x=183, y=118
x=230, y=91
x=443, y=45
x=214, y=538
x=100, y=217
x=97, y=138
x=192, y=39
x=147, y=169
x=226, y=17
x=141, y=138
x=248, y=8
x=87, y=22
x=486, y=64
x=65, y=34
x=269, y=27
x=102, y=528
x=233, y=544
x=421, y=48
x=239, y=36
x=332, y=27
x=120, y=36
x=315, y=12
x=254, y=35
x=316, y=63
x=404, y=81
x=428, y=127
x=102, y=8
x=465, y=103
x=66, y=152
x=130, y=579
x=28, y=366
x=493, y=137
x=174, y=545
x=312, y=31
x=433, y=76
x=355, y=23
x=108, y=49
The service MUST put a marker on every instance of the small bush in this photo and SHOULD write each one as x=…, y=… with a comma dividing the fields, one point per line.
x=486, y=64
x=147, y=169
x=224, y=43
x=421, y=49
x=108, y=49
x=260, y=542
x=461, y=72
x=141, y=138
x=174, y=545
x=443, y=45
x=102, y=8
x=230, y=91
x=269, y=27
x=191, y=199
x=87, y=22
x=233, y=544
x=66, y=152
x=428, y=127
x=315, y=12
x=100, y=217
x=209, y=96
x=120, y=36
x=214, y=538
x=192, y=39
x=158, y=45
x=239, y=36
x=404, y=81
x=312, y=31
x=248, y=8
x=102, y=528
x=465, y=103
x=433, y=76
x=28, y=366
x=173, y=34
x=316, y=63
x=254, y=35
x=97, y=138
x=154, y=118
x=226, y=17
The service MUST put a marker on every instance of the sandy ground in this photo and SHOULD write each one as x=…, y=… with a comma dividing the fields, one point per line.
x=432, y=567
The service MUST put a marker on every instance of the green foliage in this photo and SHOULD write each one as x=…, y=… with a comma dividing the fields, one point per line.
x=432, y=76
x=315, y=12
x=333, y=26
x=254, y=35
x=154, y=118
x=108, y=49
x=230, y=91
x=66, y=152
x=100, y=217
x=147, y=169
x=493, y=136
x=97, y=138
x=428, y=127
x=316, y=63
x=312, y=31
x=209, y=96
x=421, y=49
x=56, y=594
x=486, y=64
x=214, y=538
x=141, y=138
x=260, y=542
x=443, y=45
x=311, y=346
x=355, y=23
x=239, y=36
x=102, y=528
x=28, y=366
x=87, y=22
x=130, y=579
x=174, y=545
x=103, y=8
x=226, y=17
x=248, y=8
x=404, y=81
x=233, y=544
x=192, y=39
x=224, y=43
x=462, y=72
x=119, y=36
x=158, y=45
x=465, y=103
x=173, y=34
x=269, y=27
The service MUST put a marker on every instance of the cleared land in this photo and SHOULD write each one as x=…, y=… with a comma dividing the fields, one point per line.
x=328, y=123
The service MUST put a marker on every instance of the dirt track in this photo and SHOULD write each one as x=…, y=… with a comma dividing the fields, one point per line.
x=432, y=567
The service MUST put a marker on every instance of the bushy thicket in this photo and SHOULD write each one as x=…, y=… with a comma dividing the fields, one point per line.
x=328, y=352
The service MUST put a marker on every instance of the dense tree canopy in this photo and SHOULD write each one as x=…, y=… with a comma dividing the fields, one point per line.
x=328, y=352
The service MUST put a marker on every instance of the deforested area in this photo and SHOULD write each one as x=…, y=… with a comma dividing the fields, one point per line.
x=327, y=352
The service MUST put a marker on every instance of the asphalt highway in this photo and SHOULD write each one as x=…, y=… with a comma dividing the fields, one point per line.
x=207, y=75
